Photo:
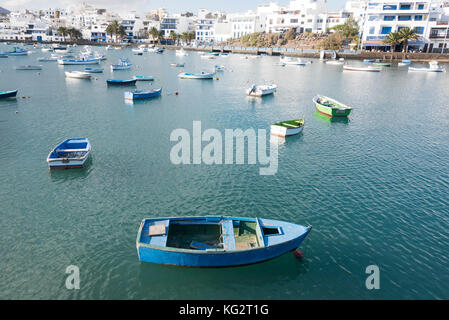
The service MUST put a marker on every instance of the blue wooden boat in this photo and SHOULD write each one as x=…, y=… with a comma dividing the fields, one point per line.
x=215, y=241
x=93, y=70
x=17, y=52
x=71, y=153
x=8, y=94
x=142, y=94
x=368, y=60
x=122, y=65
x=130, y=82
x=144, y=78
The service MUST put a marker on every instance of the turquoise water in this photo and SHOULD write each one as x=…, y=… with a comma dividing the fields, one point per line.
x=374, y=188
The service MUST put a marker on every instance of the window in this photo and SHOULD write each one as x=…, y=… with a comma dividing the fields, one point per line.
x=419, y=30
x=389, y=18
x=371, y=30
x=418, y=18
x=420, y=7
x=405, y=7
x=385, y=30
x=404, y=18
x=390, y=7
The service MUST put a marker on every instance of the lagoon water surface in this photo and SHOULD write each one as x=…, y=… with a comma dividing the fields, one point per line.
x=374, y=188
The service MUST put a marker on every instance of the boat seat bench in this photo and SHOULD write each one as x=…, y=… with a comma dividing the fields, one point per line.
x=227, y=232
x=156, y=233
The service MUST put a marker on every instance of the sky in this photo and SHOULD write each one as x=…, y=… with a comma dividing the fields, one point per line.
x=173, y=6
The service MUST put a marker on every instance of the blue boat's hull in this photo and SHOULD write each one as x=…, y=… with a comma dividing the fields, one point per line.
x=8, y=94
x=121, y=82
x=142, y=95
x=217, y=259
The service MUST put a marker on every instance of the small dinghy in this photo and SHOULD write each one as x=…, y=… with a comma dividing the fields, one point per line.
x=81, y=61
x=202, y=75
x=93, y=70
x=215, y=241
x=142, y=94
x=287, y=128
x=114, y=82
x=293, y=61
x=3, y=55
x=178, y=65
x=48, y=59
x=433, y=67
x=381, y=64
x=72, y=153
x=331, y=107
x=8, y=94
x=123, y=64
x=181, y=53
x=367, y=69
x=28, y=67
x=144, y=78
x=338, y=62
x=261, y=90
x=17, y=52
x=219, y=68
x=368, y=60
x=404, y=63
x=78, y=75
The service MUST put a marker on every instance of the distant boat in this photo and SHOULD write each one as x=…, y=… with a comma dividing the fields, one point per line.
x=47, y=59
x=123, y=64
x=433, y=67
x=181, y=53
x=28, y=67
x=78, y=75
x=46, y=49
x=340, y=61
x=216, y=241
x=219, y=68
x=142, y=94
x=179, y=65
x=262, y=90
x=293, y=61
x=93, y=70
x=71, y=153
x=17, y=52
x=81, y=61
x=331, y=107
x=202, y=75
x=368, y=69
x=159, y=50
x=121, y=82
x=8, y=94
x=3, y=55
x=368, y=60
x=144, y=78
x=382, y=64
x=404, y=62
x=109, y=47
x=287, y=128
x=208, y=56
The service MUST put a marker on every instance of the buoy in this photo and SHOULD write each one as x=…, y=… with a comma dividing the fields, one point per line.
x=176, y=93
x=217, y=78
x=17, y=112
x=298, y=254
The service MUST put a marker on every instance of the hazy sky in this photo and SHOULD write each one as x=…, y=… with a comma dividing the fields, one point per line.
x=173, y=6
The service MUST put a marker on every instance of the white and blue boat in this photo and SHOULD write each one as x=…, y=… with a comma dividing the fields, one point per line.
x=130, y=82
x=71, y=153
x=8, y=94
x=142, y=94
x=216, y=241
x=202, y=75
x=144, y=78
x=368, y=60
x=122, y=65
x=93, y=70
x=80, y=61
x=17, y=52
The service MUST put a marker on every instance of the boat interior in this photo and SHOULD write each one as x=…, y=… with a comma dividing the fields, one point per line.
x=70, y=149
x=204, y=234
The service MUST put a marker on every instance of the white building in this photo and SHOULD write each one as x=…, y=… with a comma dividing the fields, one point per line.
x=246, y=23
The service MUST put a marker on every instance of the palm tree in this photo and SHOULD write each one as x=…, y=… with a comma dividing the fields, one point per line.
x=62, y=31
x=154, y=33
x=113, y=28
x=393, y=39
x=160, y=36
x=121, y=32
x=406, y=35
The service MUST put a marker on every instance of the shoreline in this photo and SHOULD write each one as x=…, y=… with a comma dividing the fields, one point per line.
x=388, y=56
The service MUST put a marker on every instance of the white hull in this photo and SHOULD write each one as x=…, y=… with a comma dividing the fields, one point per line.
x=67, y=62
x=77, y=75
x=335, y=62
x=196, y=76
x=283, y=131
x=260, y=91
x=368, y=69
x=425, y=69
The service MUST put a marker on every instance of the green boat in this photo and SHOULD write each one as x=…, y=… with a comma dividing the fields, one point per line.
x=331, y=107
x=287, y=128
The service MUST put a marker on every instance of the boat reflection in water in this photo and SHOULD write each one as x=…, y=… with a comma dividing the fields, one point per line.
x=325, y=118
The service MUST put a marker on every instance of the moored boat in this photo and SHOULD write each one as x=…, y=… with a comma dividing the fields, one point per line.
x=8, y=94
x=331, y=107
x=129, y=82
x=81, y=61
x=216, y=241
x=368, y=69
x=261, y=90
x=368, y=60
x=78, y=75
x=404, y=62
x=340, y=61
x=93, y=70
x=178, y=65
x=71, y=153
x=142, y=94
x=123, y=64
x=181, y=53
x=433, y=67
x=144, y=78
x=202, y=75
x=28, y=67
x=292, y=61
x=17, y=52
x=287, y=128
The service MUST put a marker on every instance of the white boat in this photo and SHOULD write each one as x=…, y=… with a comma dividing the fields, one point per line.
x=207, y=56
x=109, y=47
x=28, y=67
x=287, y=128
x=181, y=53
x=368, y=69
x=46, y=49
x=138, y=50
x=78, y=75
x=71, y=153
x=123, y=64
x=52, y=58
x=202, y=75
x=293, y=61
x=433, y=67
x=261, y=90
x=338, y=62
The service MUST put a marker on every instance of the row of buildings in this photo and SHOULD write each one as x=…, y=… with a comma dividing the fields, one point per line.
x=375, y=19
